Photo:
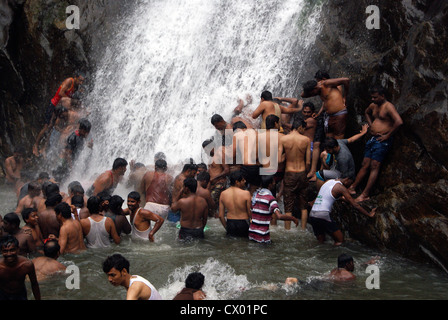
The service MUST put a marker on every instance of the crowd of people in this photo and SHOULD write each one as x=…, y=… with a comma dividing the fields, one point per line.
x=263, y=162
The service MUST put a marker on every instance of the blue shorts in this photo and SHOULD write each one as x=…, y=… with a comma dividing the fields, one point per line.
x=173, y=216
x=377, y=150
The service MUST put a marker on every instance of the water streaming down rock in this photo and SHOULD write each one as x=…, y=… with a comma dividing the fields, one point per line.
x=176, y=63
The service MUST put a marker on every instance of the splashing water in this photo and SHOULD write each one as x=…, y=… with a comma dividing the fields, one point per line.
x=175, y=63
x=221, y=282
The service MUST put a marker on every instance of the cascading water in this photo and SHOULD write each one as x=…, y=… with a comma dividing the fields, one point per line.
x=175, y=63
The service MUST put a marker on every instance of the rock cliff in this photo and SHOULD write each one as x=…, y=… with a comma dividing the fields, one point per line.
x=407, y=55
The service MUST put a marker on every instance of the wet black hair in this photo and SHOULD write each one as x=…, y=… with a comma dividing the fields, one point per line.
x=12, y=218
x=27, y=212
x=239, y=125
x=78, y=201
x=85, y=125
x=191, y=184
x=115, y=203
x=271, y=120
x=161, y=164
x=53, y=199
x=116, y=261
x=310, y=105
x=235, y=176
x=216, y=118
x=204, y=176
x=297, y=123
x=134, y=195
x=118, y=163
x=63, y=209
x=330, y=143
x=309, y=86
x=344, y=259
x=266, y=95
x=93, y=204
x=195, y=280
x=51, y=248
x=266, y=180
x=7, y=240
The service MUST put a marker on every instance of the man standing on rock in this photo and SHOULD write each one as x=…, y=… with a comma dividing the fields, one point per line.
x=319, y=216
x=66, y=90
x=384, y=122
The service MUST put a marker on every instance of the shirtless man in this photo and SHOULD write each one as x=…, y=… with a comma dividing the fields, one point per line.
x=71, y=239
x=13, y=168
x=269, y=161
x=335, y=117
x=384, y=122
x=344, y=271
x=245, y=152
x=218, y=168
x=117, y=214
x=48, y=223
x=30, y=218
x=48, y=265
x=156, y=186
x=188, y=171
x=203, y=191
x=135, y=179
x=13, y=271
x=287, y=117
x=311, y=129
x=11, y=225
x=32, y=199
x=193, y=209
x=141, y=219
x=297, y=149
x=267, y=107
x=68, y=87
x=138, y=288
x=108, y=180
x=237, y=202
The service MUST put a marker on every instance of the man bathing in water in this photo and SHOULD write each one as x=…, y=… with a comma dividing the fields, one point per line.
x=157, y=187
x=13, y=168
x=109, y=180
x=117, y=270
x=267, y=107
x=193, y=211
x=335, y=116
x=13, y=271
x=66, y=90
x=297, y=148
x=237, y=202
x=188, y=171
x=384, y=122
x=141, y=219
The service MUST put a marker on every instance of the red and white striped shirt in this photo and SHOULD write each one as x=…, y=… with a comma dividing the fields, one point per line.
x=263, y=206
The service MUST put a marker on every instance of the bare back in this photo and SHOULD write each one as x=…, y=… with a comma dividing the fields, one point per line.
x=194, y=212
x=237, y=203
x=297, y=150
x=71, y=232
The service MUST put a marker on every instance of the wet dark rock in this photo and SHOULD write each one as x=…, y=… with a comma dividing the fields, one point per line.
x=407, y=55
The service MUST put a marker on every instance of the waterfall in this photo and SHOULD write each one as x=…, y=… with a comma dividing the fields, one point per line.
x=175, y=63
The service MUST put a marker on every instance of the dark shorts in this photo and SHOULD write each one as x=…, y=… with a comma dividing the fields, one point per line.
x=322, y=226
x=189, y=234
x=377, y=150
x=237, y=228
x=294, y=188
x=16, y=296
x=49, y=113
x=251, y=174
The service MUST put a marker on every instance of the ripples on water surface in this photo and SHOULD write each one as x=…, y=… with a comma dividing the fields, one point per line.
x=239, y=269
